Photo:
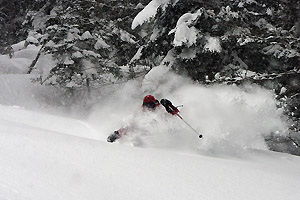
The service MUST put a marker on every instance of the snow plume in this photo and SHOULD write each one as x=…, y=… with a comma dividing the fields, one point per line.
x=230, y=118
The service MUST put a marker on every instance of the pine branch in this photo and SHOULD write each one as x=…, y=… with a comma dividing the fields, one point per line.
x=256, y=78
x=294, y=141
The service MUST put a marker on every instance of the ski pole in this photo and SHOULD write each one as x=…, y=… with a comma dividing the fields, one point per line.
x=199, y=135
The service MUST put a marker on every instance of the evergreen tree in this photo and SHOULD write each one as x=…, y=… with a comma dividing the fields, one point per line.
x=87, y=40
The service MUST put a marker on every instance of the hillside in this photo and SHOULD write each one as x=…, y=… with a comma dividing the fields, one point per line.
x=42, y=161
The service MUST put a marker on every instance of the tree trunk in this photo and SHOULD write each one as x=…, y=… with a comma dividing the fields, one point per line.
x=34, y=61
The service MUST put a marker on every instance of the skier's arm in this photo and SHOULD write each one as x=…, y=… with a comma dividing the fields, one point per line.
x=169, y=106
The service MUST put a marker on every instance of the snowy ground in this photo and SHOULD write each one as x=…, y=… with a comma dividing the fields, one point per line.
x=50, y=156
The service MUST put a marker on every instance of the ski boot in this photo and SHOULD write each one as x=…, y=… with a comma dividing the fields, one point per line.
x=112, y=137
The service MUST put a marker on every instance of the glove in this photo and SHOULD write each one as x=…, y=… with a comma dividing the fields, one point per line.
x=169, y=106
x=112, y=137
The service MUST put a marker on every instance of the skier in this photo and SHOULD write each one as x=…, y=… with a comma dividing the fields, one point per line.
x=149, y=104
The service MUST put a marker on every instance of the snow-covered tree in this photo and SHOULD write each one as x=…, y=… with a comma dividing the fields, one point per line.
x=87, y=41
x=223, y=39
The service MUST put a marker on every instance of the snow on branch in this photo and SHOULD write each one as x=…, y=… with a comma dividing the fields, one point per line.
x=148, y=12
x=184, y=32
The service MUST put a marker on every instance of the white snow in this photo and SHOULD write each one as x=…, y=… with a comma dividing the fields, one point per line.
x=29, y=52
x=50, y=156
x=41, y=160
x=77, y=54
x=231, y=117
x=89, y=67
x=148, y=12
x=155, y=34
x=137, y=55
x=244, y=41
x=44, y=65
x=188, y=18
x=185, y=35
x=68, y=61
x=50, y=44
x=226, y=13
x=283, y=90
x=20, y=61
x=73, y=34
x=32, y=40
x=184, y=32
x=13, y=66
x=100, y=44
x=18, y=46
x=126, y=37
x=86, y=35
x=213, y=44
x=139, y=6
x=269, y=11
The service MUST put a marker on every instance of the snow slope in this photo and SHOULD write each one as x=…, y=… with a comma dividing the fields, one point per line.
x=46, y=161
x=47, y=156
